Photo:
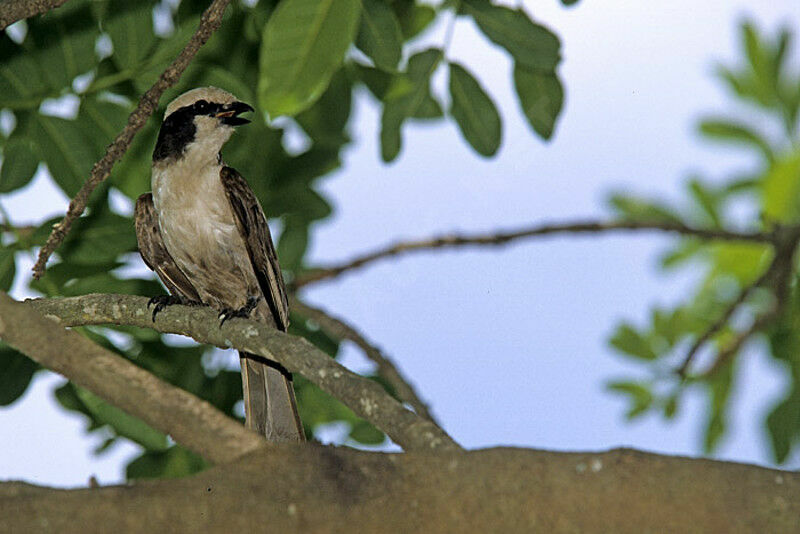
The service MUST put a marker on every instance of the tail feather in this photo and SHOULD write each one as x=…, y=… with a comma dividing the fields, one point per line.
x=269, y=403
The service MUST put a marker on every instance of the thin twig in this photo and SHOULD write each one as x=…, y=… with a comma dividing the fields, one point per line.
x=502, y=238
x=337, y=328
x=715, y=327
x=779, y=276
x=209, y=23
x=365, y=397
x=13, y=10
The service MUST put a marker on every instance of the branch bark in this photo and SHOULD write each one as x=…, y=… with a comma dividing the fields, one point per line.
x=13, y=10
x=326, y=490
x=339, y=329
x=209, y=23
x=192, y=422
x=502, y=238
x=365, y=397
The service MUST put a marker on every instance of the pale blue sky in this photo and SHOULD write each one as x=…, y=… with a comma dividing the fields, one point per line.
x=507, y=345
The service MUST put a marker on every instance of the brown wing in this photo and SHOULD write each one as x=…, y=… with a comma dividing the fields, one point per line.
x=155, y=254
x=253, y=228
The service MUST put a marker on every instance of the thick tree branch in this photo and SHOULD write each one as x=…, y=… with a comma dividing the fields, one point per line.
x=13, y=10
x=192, y=422
x=365, y=397
x=502, y=238
x=209, y=23
x=337, y=328
x=327, y=490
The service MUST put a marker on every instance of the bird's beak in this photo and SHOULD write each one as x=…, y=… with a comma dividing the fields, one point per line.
x=229, y=113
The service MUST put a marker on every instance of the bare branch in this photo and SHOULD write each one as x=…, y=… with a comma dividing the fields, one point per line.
x=365, y=397
x=192, y=422
x=209, y=23
x=13, y=10
x=386, y=368
x=502, y=238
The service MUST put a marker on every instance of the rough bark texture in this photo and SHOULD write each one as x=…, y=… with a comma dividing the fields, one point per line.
x=191, y=421
x=13, y=10
x=323, y=489
x=365, y=397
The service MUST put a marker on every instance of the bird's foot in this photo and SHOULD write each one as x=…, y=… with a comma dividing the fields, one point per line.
x=160, y=302
x=243, y=312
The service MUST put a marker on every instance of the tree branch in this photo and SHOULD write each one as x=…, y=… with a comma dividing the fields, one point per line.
x=191, y=421
x=337, y=490
x=502, y=238
x=365, y=397
x=337, y=328
x=209, y=23
x=13, y=10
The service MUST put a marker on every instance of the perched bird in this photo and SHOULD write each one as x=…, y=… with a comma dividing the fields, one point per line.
x=203, y=232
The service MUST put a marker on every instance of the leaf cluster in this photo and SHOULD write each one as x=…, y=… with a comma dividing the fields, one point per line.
x=767, y=86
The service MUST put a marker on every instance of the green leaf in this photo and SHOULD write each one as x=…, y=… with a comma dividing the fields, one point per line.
x=640, y=396
x=743, y=261
x=326, y=121
x=414, y=18
x=719, y=389
x=99, y=238
x=379, y=35
x=783, y=426
x=99, y=123
x=707, y=201
x=406, y=100
x=639, y=209
x=781, y=189
x=569, y=2
x=7, y=268
x=19, y=163
x=293, y=243
x=123, y=424
x=531, y=45
x=163, y=54
x=16, y=372
x=22, y=83
x=730, y=131
x=65, y=149
x=474, y=112
x=629, y=341
x=365, y=433
x=130, y=26
x=303, y=45
x=174, y=462
x=541, y=98
x=59, y=46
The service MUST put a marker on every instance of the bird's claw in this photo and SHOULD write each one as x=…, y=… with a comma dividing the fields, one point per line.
x=243, y=312
x=160, y=302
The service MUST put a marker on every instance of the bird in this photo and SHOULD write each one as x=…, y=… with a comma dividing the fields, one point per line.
x=204, y=233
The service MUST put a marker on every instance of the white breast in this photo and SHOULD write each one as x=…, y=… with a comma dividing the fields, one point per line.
x=199, y=230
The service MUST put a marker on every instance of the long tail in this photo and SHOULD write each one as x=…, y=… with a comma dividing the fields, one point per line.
x=269, y=404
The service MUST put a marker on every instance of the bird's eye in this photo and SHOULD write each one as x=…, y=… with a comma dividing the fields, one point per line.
x=201, y=106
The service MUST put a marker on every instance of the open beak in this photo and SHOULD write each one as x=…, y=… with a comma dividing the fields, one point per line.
x=229, y=114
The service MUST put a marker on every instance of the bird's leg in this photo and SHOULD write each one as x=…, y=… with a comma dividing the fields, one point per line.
x=160, y=302
x=243, y=312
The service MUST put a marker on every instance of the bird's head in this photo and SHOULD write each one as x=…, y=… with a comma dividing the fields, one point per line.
x=199, y=122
